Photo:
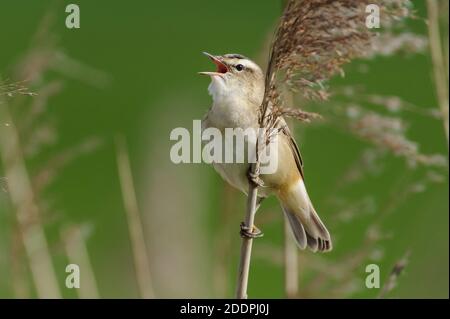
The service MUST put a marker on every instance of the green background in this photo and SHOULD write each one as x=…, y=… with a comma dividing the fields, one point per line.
x=150, y=52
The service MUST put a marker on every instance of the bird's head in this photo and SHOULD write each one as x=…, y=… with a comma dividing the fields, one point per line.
x=236, y=76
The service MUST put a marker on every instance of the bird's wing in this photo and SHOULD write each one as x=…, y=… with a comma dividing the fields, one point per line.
x=282, y=125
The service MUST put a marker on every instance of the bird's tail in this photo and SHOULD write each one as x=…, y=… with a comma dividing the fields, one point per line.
x=309, y=231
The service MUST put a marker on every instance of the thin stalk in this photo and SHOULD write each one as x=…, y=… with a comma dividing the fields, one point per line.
x=290, y=263
x=77, y=253
x=141, y=261
x=223, y=244
x=265, y=109
x=246, y=246
x=27, y=211
x=19, y=278
x=439, y=66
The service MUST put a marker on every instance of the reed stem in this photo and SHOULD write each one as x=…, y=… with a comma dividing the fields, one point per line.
x=141, y=261
x=439, y=66
x=27, y=212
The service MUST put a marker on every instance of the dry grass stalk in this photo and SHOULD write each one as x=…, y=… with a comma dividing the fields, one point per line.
x=141, y=261
x=439, y=66
x=246, y=246
x=223, y=244
x=26, y=138
x=291, y=269
x=19, y=281
x=21, y=192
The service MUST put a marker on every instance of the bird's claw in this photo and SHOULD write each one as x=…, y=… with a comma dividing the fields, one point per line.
x=254, y=178
x=250, y=232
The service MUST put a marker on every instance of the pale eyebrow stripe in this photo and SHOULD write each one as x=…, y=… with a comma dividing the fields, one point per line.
x=235, y=56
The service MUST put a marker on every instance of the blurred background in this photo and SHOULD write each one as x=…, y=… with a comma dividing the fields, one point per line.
x=87, y=113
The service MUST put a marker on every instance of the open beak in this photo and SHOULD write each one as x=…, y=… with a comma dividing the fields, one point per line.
x=221, y=67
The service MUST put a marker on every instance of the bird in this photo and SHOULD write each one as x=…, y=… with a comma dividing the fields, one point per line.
x=237, y=88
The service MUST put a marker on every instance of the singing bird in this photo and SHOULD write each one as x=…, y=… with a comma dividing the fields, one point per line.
x=237, y=90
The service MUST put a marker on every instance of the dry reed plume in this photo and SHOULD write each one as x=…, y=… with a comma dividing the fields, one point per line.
x=314, y=39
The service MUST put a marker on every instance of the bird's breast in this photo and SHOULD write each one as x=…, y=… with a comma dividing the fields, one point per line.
x=231, y=112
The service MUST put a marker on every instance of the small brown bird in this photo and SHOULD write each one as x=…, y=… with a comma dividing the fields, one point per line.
x=237, y=89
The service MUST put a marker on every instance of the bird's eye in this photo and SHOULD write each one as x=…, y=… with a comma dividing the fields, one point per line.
x=239, y=67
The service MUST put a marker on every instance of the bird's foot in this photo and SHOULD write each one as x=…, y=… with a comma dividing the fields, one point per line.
x=254, y=178
x=250, y=232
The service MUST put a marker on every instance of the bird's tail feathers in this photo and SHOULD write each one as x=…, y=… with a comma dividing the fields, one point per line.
x=307, y=228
